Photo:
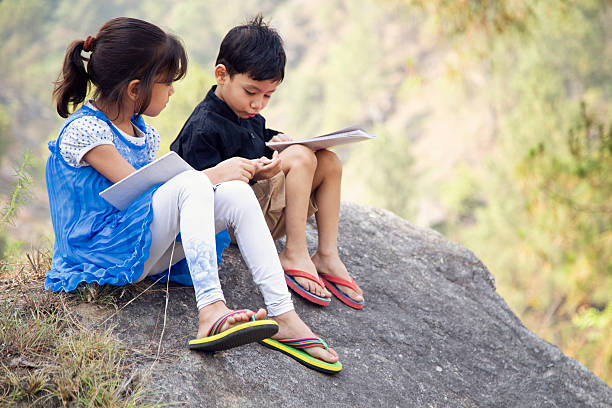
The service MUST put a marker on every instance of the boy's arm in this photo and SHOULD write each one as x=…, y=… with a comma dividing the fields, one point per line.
x=204, y=150
x=198, y=147
x=271, y=135
x=202, y=155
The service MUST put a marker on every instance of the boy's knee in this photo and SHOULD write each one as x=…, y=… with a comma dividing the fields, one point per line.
x=301, y=156
x=329, y=160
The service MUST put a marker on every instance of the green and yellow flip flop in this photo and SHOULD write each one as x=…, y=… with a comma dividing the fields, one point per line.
x=250, y=332
x=292, y=348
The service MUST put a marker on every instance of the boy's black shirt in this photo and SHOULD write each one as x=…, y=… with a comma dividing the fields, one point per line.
x=214, y=133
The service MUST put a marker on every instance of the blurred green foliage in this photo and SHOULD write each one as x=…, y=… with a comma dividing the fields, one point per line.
x=19, y=195
x=535, y=206
x=5, y=126
x=539, y=214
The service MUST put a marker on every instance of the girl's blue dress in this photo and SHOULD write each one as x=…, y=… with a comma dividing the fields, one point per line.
x=94, y=241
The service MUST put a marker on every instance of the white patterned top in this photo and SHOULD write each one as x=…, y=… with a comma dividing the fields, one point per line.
x=87, y=132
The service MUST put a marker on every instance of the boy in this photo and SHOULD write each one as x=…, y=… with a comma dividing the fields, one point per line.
x=290, y=186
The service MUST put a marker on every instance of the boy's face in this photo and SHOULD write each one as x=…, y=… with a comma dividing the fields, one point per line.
x=245, y=96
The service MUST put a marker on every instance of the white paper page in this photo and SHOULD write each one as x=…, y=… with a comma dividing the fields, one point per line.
x=122, y=193
x=343, y=136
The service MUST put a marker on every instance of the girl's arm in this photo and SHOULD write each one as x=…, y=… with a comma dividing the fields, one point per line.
x=235, y=168
x=107, y=160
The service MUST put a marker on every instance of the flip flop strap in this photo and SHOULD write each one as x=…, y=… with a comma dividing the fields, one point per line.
x=216, y=327
x=339, y=281
x=306, y=342
x=302, y=274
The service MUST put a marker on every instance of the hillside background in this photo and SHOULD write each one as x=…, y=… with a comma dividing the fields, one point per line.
x=493, y=121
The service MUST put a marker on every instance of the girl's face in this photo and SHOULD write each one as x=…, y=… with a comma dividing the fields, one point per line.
x=159, y=98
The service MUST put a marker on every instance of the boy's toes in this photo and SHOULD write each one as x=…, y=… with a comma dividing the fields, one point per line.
x=354, y=295
x=319, y=291
x=313, y=288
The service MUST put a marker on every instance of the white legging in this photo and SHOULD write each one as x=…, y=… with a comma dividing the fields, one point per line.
x=189, y=204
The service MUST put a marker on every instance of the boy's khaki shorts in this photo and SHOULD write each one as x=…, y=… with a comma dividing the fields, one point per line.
x=271, y=196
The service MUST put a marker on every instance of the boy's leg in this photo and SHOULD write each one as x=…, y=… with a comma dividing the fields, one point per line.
x=299, y=164
x=185, y=204
x=326, y=186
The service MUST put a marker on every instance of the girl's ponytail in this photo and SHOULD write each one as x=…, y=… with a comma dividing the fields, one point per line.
x=72, y=84
x=123, y=50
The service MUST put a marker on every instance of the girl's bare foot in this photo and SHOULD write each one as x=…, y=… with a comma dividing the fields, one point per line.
x=302, y=262
x=211, y=313
x=332, y=265
x=290, y=326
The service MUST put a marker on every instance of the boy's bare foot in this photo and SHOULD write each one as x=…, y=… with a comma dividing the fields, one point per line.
x=303, y=262
x=332, y=265
x=211, y=313
x=290, y=326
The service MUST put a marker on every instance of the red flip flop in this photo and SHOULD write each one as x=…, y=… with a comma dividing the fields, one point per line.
x=330, y=283
x=297, y=288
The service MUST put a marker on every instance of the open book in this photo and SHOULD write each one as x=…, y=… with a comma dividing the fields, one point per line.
x=122, y=193
x=343, y=136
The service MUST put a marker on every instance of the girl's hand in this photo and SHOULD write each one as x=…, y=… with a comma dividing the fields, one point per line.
x=236, y=168
x=107, y=160
x=267, y=168
x=281, y=137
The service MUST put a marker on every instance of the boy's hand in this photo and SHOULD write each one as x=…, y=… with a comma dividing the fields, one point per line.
x=281, y=137
x=267, y=168
x=236, y=168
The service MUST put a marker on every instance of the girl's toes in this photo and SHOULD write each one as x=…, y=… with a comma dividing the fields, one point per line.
x=328, y=355
x=260, y=315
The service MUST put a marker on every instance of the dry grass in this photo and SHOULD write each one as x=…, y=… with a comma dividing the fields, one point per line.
x=47, y=358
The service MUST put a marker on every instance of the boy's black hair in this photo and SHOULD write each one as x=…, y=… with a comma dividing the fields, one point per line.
x=254, y=49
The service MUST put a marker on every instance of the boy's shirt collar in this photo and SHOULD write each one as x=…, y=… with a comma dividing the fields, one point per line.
x=219, y=106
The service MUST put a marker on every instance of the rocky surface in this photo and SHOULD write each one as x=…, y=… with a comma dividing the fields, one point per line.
x=433, y=333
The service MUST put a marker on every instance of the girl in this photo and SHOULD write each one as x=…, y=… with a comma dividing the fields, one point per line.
x=132, y=65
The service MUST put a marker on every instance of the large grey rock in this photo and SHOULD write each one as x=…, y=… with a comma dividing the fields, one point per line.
x=433, y=333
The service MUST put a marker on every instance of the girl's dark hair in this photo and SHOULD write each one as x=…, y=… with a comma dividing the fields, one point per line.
x=254, y=49
x=123, y=50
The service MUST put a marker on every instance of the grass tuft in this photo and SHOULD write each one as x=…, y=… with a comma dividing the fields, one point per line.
x=48, y=359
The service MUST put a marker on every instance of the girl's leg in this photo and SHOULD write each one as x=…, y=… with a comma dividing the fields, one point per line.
x=186, y=204
x=237, y=207
x=175, y=250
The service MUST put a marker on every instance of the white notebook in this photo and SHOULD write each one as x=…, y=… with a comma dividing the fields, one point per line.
x=343, y=136
x=122, y=193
